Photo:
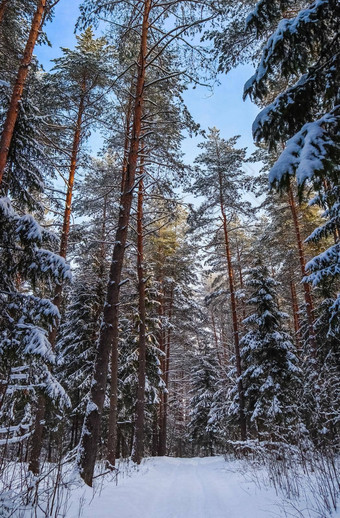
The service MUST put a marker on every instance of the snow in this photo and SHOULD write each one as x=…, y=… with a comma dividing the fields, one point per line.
x=35, y=341
x=285, y=27
x=167, y=487
x=304, y=153
x=326, y=264
x=30, y=228
x=6, y=207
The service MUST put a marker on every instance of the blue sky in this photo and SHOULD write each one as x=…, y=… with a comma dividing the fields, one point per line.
x=223, y=108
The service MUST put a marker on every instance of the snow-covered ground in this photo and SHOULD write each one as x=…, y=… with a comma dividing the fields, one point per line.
x=184, y=488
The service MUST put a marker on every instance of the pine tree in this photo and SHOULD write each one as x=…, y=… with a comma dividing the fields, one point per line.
x=79, y=78
x=288, y=255
x=220, y=179
x=42, y=12
x=27, y=251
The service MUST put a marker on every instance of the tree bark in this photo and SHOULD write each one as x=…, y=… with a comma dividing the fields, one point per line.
x=126, y=142
x=243, y=428
x=154, y=450
x=37, y=437
x=162, y=347
x=13, y=110
x=165, y=399
x=220, y=360
x=108, y=338
x=295, y=308
x=68, y=209
x=112, y=433
x=239, y=265
x=3, y=6
x=306, y=286
x=138, y=446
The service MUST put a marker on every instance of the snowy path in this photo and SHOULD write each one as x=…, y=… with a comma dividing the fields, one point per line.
x=179, y=488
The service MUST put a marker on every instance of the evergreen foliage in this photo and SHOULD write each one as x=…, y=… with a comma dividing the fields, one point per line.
x=305, y=115
x=204, y=383
x=271, y=376
x=29, y=269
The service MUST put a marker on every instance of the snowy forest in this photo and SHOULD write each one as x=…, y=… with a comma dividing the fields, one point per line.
x=163, y=318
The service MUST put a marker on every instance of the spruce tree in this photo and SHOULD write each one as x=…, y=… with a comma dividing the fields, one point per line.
x=75, y=348
x=271, y=376
x=27, y=314
x=320, y=405
x=204, y=378
x=303, y=53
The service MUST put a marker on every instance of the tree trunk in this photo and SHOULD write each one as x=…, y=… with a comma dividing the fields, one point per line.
x=155, y=434
x=138, y=446
x=101, y=279
x=68, y=208
x=108, y=338
x=306, y=286
x=37, y=437
x=3, y=6
x=162, y=347
x=112, y=433
x=164, y=413
x=295, y=308
x=220, y=360
x=336, y=231
x=242, y=419
x=243, y=428
x=126, y=142
x=239, y=265
x=13, y=110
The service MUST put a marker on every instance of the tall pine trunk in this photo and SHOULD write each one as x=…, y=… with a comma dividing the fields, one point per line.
x=108, y=338
x=162, y=346
x=138, y=446
x=243, y=428
x=37, y=437
x=295, y=308
x=126, y=141
x=68, y=208
x=112, y=432
x=3, y=6
x=306, y=286
x=163, y=421
x=13, y=110
x=239, y=266
x=220, y=360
